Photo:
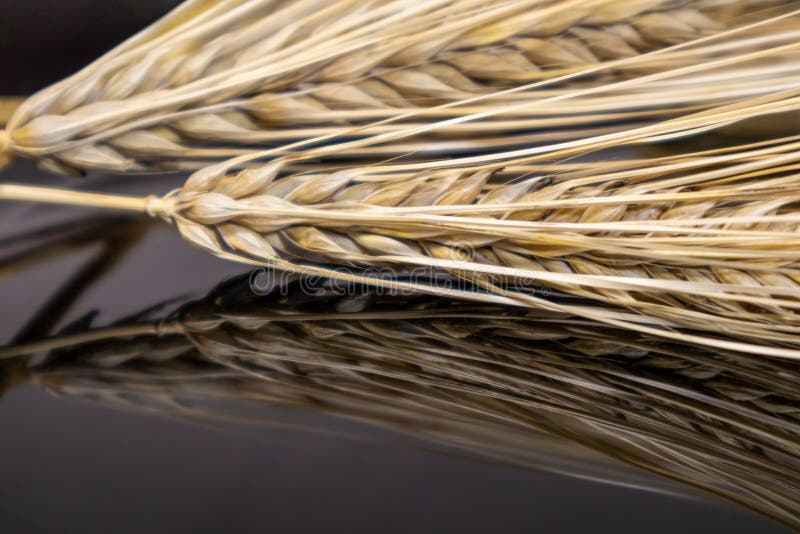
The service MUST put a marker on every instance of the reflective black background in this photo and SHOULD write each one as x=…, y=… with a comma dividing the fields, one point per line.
x=70, y=466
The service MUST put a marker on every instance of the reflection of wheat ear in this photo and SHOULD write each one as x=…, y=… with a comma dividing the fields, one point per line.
x=491, y=379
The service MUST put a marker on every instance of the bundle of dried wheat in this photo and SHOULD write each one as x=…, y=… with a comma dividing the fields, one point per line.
x=492, y=380
x=698, y=244
x=222, y=78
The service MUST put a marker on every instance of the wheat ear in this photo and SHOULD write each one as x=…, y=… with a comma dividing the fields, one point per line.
x=214, y=75
x=700, y=243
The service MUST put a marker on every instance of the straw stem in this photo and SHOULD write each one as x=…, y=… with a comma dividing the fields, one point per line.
x=52, y=195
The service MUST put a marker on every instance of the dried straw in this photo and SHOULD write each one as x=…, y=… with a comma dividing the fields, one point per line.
x=225, y=78
x=487, y=379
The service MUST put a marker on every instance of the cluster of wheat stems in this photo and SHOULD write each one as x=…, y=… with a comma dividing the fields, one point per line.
x=538, y=388
x=497, y=141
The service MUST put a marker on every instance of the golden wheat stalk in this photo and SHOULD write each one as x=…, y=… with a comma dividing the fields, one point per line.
x=226, y=78
x=490, y=379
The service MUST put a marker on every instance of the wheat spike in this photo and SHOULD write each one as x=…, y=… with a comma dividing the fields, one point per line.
x=698, y=242
x=714, y=245
x=492, y=380
x=269, y=74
